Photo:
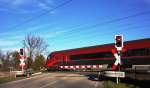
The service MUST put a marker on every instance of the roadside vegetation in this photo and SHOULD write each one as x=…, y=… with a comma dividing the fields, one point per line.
x=9, y=79
x=111, y=84
x=35, y=60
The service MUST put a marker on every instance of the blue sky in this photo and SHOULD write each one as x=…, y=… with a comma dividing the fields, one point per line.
x=77, y=24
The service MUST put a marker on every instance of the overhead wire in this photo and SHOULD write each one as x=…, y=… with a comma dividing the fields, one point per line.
x=92, y=36
x=88, y=28
x=100, y=35
x=113, y=21
x=40, y=15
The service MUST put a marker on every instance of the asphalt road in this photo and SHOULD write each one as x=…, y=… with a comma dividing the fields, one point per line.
x=55, y=80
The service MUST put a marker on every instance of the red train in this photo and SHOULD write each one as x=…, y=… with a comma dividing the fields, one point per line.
x=137, y=53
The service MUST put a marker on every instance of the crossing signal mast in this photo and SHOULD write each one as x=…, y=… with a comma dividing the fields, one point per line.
x=117, y=53
x=22, y=59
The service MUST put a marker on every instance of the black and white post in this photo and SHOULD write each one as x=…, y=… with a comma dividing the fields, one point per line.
x=119, y=47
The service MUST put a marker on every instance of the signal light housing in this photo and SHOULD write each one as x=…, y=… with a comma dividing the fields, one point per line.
x=119, y=42
x=21, y=51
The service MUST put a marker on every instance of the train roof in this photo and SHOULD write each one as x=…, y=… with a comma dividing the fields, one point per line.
x=129, y=44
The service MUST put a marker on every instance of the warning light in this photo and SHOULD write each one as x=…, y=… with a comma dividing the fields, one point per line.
x=21, y=51
x=119, y=42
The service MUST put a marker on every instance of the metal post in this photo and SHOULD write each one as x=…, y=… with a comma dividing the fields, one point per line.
x=119, y=64
x=135, y=72
x=24, y=50
x=117, y=80
x=99, y=75
x=22, y=68
x=9, y=71
x=23, y=53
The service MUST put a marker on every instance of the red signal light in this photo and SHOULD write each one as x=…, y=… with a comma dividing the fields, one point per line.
x=118, y=41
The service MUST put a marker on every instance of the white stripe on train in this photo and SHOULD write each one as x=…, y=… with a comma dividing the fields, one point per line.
x=80, y=66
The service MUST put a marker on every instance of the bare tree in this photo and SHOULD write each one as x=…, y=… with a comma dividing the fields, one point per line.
x=35, y=45
x=7, y=62
x=15, y=59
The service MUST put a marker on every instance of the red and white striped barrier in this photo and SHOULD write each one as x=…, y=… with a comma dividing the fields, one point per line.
x=80, y=66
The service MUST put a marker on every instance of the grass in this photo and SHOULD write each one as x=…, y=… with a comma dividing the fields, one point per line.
x=9, y=79
x=110, y=84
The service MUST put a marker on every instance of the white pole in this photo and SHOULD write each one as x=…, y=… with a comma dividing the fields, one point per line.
x=22, y=67
x=117, y=80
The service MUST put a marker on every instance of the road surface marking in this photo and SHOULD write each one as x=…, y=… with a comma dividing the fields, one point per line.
x=96, y=84
x=49, y=84
x=25, y=79
x=63, y=78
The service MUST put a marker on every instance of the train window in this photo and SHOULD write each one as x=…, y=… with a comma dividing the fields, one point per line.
x=48, y=57
x=51, y=56
x=91, y=55
x=148, y=51
x=130, y=52
x=137, y=52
